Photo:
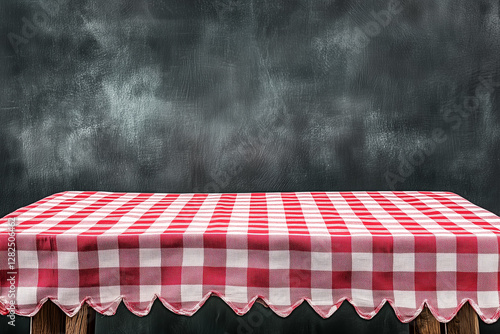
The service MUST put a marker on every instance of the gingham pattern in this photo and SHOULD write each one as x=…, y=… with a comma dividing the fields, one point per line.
x=405, y=248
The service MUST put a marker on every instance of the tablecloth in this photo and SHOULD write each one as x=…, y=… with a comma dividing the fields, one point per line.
x=405, y=248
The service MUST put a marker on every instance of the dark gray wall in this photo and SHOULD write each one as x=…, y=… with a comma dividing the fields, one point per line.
x=239, y=96
x=226, y=95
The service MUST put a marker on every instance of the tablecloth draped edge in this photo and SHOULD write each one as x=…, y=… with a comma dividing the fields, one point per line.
x=278, y=310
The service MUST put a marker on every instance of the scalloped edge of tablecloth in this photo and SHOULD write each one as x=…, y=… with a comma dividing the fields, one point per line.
x=278, y=310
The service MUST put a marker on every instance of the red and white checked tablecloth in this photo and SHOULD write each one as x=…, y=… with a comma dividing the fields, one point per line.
x=404, y=248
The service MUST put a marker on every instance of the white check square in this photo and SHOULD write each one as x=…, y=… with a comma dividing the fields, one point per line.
x=279, y=260
x=404, y=299
x=26, y=295
x=362, y=297
x=67, y=260
x=109, y=294
x=403, y=262
x=487, y=263
x=279, y=296
x=109, y=258
x=150, y=257
x=487, y=299
x=321, y=297
x=237, y=294
x=191, y=292
x=68, y=296
x=193, y=257
x=321, y=261
x=447, y=299
x=27, y=259
x=362, y=261
x=446, y=262
x=147, y=292
x=237, y=258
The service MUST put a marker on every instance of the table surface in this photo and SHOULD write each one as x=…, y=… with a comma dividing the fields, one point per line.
x=404, y=248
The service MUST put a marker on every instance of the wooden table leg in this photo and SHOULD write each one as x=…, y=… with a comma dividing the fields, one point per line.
x=49, y=320
x=425, y=323
x=82, y=322
x=465, y=322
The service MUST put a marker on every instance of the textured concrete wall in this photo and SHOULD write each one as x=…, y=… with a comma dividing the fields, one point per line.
x=226, y=95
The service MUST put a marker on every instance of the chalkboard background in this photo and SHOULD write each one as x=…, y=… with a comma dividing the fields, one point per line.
x=257, y=95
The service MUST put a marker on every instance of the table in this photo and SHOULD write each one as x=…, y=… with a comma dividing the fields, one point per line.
x=409, y=249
